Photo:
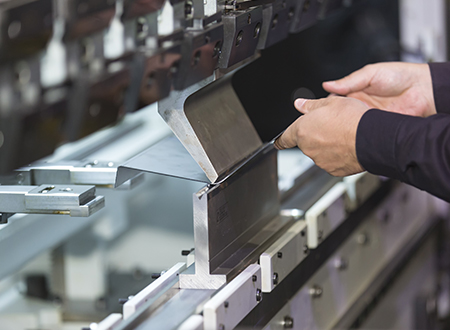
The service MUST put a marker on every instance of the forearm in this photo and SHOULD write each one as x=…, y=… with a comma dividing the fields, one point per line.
x=411, y=149
x=440, y=75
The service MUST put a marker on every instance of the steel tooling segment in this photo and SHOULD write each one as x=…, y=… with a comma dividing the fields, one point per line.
x=225, y=223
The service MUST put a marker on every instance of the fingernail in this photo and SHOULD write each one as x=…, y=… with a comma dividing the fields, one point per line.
x=299, y=103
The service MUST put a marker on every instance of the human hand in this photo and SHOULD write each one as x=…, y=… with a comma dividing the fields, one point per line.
x=404, y=88
x=327, y=133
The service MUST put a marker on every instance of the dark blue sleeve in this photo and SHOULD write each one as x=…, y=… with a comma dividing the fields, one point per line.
x=440, y=75
x=411, y=149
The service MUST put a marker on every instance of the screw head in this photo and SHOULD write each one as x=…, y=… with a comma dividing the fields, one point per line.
x=226, y=304
x=254, y=278
x=363, y=239
x=280, y=255
x=315, y=291
x=275, y=278
x=239, y=38
x=320, y=235
x=305, y=249
x=341, y=263
x=258, y=295
x=288, y=322
x=257, y=30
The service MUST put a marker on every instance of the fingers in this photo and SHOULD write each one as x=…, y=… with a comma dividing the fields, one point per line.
x=289, y=138
x=357, y=81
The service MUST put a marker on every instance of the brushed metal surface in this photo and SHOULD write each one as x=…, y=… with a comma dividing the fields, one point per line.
x=212, y=125
x=167, y=157
x=229, y=228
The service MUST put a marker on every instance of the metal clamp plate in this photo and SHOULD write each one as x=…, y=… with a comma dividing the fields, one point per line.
x=359, y=188
x=326, y=214
x=228, y=307
x=283, y=256
x=162, y=283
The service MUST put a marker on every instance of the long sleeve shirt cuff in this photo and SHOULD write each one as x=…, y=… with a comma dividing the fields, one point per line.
x=411, y=149
x=440, y=75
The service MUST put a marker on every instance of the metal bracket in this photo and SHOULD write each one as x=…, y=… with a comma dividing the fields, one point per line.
x=76, y=201
x=96, y=173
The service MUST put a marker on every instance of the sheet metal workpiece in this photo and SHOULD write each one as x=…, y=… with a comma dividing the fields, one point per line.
x=212, y=125
x=233, y=222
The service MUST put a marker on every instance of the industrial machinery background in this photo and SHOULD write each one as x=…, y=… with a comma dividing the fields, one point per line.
x=275, y=242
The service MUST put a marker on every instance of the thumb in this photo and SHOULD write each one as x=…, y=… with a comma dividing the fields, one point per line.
x=289, y=137
x=355, y=82
x=305, y=106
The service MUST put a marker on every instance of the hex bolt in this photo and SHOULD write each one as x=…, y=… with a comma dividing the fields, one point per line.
x=122, y=301
x=20, y=178
x=275, y=278
x=257, y=30
x=363, y=239
x=305, y=249
x=186, y=252
x=217, y=49
x=174, y=69
x=341, y=263
x=188, y=8
x=258, y=295
x=274, y=21
x=141, y=28
x=288, y=322
x=291, y=13
x=239, y=38
x=316, y=291
x=320, y=235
